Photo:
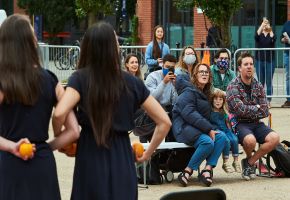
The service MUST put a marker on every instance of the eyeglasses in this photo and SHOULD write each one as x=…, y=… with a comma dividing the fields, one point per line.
x=168, y=66
x=189, y=53
x=202, y=72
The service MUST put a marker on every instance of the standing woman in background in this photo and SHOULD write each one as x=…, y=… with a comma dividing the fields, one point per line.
x=107, y=99
x=132, y=65
x=265, y=59
x=156, y=49
x=27, y=96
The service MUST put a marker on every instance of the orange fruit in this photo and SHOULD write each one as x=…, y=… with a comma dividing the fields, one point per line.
x=26, y=149
x=138, y=149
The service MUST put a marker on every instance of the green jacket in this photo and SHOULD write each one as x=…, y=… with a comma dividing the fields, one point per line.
x=217, y=79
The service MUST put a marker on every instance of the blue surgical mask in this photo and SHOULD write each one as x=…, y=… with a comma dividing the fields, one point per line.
x=165, y=71
x=223, y=64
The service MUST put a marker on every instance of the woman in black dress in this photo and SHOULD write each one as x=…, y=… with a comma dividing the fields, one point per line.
x=107, y=99
x=27, y=96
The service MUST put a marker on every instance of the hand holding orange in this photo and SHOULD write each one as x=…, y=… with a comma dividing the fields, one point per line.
x=138, y=149
x=26, y=149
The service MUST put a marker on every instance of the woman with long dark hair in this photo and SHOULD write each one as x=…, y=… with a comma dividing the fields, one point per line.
x=27, y=96
x=156, y=49
x=192, y=126
x=107, y=99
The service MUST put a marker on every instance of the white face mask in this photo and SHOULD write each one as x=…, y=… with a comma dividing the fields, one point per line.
x=189, y=59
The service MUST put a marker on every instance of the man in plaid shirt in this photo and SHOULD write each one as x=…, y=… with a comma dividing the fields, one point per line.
x=247, y=101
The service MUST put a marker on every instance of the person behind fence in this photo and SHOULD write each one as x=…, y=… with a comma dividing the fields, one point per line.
x=265, y=59
x=247, y=101
x=161, y=86
x=192, y=126
x=107, y=99
x=187, y=60
x=221, y=72
x=156, y=50
x=27, y=96
x=219, y=117
x=132, y=65
x=285, y=40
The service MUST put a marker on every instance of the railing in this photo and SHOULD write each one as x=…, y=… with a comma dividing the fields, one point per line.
x=62, y=60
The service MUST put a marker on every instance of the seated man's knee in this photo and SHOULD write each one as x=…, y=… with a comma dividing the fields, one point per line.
x=249, y=140
x=273, y=138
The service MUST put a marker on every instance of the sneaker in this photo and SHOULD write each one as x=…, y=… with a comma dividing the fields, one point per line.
x=286, y=104
x=237, y=167
x=249, y=172
x=253, y=171
x=227, y=167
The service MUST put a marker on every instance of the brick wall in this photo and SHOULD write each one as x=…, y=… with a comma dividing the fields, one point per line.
x=146, y=13
x=288, y=10
x=16, y=9
x=200, y=31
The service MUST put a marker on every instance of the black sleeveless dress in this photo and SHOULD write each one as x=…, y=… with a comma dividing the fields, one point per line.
x=35, y=179
x=107, y=173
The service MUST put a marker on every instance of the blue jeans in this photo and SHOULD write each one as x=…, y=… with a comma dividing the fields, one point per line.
x=286, y=64
x=207, y=149
x=233, y=143
x=265, y=72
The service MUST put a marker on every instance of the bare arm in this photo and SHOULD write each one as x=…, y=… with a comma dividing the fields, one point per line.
x=63, y=115
x=163, y=123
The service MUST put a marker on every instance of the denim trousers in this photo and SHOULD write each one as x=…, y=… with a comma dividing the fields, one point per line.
x=233, y=143
x=207, y=149
x=265, y=71
x=286, y=64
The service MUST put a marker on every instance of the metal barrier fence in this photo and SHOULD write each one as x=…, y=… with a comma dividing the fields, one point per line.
x=61, y=60
x=274, y=74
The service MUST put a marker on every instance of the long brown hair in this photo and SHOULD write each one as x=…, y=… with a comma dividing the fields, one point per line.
x=99, y=55
x=20, y=73
x=138, y=72
x=156, y=49
x=207, y=90
x=181, y=62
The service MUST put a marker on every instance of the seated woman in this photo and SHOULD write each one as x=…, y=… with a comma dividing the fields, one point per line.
x=191, y=123
x=132, y=64
x=187, y=61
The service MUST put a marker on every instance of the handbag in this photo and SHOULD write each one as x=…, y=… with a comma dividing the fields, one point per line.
x=144, y=125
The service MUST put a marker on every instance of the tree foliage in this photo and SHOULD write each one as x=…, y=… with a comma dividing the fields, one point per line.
x=219, y=12
x=94, y=9
x=55, y=13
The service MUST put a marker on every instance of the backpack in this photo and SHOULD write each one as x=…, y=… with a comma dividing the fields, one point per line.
x=281, y=157
x=153, y=175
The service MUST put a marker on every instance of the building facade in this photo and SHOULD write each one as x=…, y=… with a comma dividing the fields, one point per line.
x=188, y=26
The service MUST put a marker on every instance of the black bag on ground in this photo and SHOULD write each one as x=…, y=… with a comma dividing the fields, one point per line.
x=153, y=175
x=178, y=159
x=281, y=157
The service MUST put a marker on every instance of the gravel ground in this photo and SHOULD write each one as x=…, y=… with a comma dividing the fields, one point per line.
x=234, y=186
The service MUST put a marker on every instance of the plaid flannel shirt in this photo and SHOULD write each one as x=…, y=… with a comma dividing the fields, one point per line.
x=243, y=106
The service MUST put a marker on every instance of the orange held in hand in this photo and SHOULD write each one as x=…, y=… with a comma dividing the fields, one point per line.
x=26, y=149
x=138, y=149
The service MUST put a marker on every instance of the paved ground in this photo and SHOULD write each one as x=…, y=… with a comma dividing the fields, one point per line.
x=233, y=185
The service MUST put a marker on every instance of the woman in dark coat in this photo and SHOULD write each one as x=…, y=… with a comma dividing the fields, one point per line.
x=191, y=123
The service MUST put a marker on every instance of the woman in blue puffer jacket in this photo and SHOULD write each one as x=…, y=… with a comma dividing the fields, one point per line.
x=191, y=123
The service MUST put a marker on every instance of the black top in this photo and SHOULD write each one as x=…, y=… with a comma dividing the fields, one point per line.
x=18, y=121
x=263, y=41
x=107, y=173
